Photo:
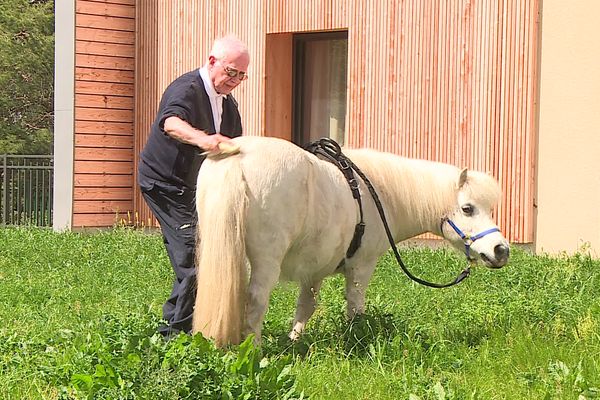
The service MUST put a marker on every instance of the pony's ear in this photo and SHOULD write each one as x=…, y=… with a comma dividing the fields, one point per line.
x=463, y=178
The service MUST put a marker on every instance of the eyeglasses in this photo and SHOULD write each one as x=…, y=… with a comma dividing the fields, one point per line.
x=234, y=73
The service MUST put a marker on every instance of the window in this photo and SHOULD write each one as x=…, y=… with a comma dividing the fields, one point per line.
x=320, y=86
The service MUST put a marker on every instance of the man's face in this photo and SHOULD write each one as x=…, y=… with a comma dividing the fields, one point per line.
x=220, y=71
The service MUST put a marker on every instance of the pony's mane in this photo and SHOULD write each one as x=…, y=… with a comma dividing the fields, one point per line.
x=426, y=188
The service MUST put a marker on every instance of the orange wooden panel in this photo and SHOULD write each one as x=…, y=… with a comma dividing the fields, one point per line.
x=105, y=22
x=104, y=180
x=98, y=101
x=100, y=220
x=108, y=62
x=105, y=9
x=127, y=2
x=455, y=91
x=104, y=49
x=104, y=85
x=104, y=141
x=104, y=35
x=305, y=16
x=104, y=75
x=103, y=114
x=102, y=154
x=85, y=193
x=107, y=88
x=103, y=206
x=94, y=127
x=99, y=167
x=278, y=109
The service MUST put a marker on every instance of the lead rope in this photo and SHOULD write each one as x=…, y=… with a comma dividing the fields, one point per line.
x=331, y=151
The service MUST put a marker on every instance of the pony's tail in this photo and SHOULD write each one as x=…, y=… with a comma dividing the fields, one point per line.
x=221, y=253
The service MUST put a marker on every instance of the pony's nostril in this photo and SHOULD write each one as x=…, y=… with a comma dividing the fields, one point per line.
x=501, y=252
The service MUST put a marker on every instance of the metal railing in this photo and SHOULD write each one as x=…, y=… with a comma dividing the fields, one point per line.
x=26, y=183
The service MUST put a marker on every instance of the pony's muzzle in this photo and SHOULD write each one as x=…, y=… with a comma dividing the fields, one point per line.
x=501, y=253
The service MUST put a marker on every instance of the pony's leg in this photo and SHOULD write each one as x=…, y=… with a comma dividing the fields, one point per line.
x=263, y=278
x=357, y=280
x=305, y=307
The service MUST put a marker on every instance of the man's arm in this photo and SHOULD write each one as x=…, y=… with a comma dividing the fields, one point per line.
x=180, y=130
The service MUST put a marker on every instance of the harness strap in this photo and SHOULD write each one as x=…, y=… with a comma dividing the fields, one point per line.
x=332, y=152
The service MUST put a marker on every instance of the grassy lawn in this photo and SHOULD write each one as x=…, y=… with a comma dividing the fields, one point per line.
x=78, y=313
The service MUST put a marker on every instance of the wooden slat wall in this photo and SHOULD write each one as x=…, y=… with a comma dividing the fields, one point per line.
x=453, y=81
x=104, y=93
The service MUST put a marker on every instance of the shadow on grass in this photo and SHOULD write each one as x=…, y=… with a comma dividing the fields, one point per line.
x=352, y=338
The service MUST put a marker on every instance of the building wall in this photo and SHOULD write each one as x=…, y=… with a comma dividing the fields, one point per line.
x=104, y=93
x=568, y=198
x=455, y=81
x=64, y=114
x=449, y=81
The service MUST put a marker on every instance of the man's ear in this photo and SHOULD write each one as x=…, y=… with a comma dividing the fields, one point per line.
x=463, y=178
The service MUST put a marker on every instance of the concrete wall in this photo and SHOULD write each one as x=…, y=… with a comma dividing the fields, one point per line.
x=568, y=181
x=64, y=114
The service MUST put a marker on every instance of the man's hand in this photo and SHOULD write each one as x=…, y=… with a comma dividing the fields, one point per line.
x=184, y=132
x=223, y=149
x=210, y=143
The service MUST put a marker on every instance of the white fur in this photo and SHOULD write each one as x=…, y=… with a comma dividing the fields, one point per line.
x=292, y=217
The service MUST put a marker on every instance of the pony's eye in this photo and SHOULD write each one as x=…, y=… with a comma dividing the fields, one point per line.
x=468, y=209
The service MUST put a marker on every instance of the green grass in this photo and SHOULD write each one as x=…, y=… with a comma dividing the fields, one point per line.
x=78, y=314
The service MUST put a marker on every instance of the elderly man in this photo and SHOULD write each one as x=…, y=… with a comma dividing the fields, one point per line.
x=196, y=113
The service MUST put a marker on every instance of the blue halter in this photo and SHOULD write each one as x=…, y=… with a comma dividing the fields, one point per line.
x=467, y=240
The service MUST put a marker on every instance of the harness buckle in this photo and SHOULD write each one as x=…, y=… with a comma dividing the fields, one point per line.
x=343, y=163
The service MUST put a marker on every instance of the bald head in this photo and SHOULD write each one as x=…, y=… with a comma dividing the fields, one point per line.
x=228, y=63
x=224, y=46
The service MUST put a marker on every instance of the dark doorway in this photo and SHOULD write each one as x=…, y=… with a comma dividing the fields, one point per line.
x=320, y=70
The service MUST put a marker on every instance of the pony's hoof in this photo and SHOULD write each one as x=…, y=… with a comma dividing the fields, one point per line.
x=294, y=335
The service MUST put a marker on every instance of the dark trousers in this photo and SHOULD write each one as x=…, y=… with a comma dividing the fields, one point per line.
x=175, y=210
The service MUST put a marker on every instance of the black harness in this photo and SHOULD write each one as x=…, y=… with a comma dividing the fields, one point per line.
x=330, y=150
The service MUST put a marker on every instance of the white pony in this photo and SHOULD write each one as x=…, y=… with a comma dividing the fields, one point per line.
x=291, y=216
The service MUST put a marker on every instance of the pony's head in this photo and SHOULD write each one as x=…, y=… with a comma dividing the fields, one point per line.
x=469, y=226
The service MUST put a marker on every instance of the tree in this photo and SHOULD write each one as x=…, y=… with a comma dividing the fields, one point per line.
x=26, y=76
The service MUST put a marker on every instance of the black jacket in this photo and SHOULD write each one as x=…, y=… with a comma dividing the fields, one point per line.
x=169, y=163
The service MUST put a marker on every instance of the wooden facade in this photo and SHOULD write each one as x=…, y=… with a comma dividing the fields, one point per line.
x=104, y=112
x=452, y=81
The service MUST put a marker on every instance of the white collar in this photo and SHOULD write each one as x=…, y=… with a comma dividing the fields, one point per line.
x=208, y=85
